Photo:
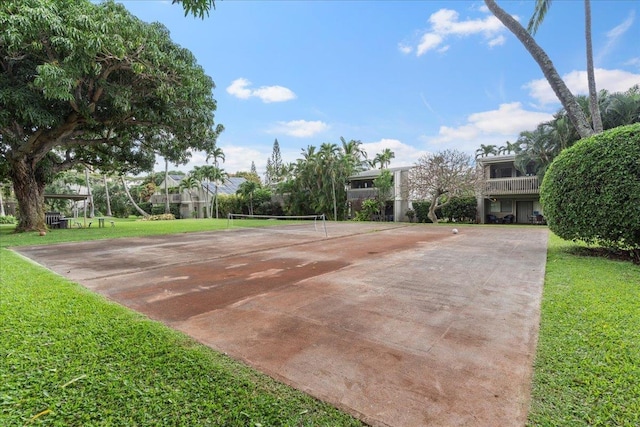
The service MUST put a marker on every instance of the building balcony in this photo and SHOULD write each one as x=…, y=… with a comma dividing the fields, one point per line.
x=158, y=199
x=362, y=193
x=516, y=185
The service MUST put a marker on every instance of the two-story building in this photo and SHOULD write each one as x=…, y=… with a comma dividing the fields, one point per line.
x=509, y=195
x=193, y=202
x=361, y=188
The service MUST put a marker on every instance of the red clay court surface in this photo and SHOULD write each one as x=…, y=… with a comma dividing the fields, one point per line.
x=398, y=325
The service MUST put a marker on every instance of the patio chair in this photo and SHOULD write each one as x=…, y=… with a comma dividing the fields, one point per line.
x=508, y=219
x=492, y=219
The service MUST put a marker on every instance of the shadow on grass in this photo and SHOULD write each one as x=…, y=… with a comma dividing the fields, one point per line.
x=630, y=255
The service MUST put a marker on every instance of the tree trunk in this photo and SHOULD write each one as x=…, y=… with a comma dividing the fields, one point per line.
x=1, y=203
x=135, y=205
x=432, y=209
x=575, y=113
x=106, y=193
x=596, y=118
x=30, y=195
x=167, y=209
x=92, y=212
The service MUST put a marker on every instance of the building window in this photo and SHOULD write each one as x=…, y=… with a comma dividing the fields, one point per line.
x=506, y=206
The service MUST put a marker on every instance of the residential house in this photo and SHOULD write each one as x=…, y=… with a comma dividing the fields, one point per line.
x=193, y=203
x=360, y=188
x=509, y=195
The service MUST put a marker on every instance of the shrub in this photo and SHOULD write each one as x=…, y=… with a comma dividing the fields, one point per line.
x=370, y=208
x=422, y=211
x=162, y=217
x=7, y=219
x=460, y=209
x=591, y=191
x=174, y=209
x=229, y=203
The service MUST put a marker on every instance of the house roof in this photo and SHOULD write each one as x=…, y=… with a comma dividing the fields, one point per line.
x=373, y=173
x=496, y=159
x=229, y=186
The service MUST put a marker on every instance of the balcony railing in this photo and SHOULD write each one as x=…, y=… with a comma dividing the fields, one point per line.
x=362, y=193
x=518, y=185
x=157, y=199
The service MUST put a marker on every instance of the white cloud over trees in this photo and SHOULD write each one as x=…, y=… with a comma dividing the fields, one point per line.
x=300, y=128
x=240, y=88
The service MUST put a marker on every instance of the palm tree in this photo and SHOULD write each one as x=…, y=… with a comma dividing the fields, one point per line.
x=135, y=205
x=621, y=108
x=540, y=11
x=508, y=148
x=485, y=150
x=246, y=190
x=92, y=212
x=329, y=162
x=539, y=148
x=216, y=154
x=218, y=176
x=208, y=174
x=167, y=209
x=384, y=158
x=189, y=183
x=575, y=113
x=106, y=192
x=354, y=155
x=1, y=203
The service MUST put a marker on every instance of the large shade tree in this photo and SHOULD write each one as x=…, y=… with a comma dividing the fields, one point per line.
x=441, y=177
x=86, y=84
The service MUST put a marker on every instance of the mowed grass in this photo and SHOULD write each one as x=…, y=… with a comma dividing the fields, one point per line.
x=130, y=227
x=587, y=368
x=69, y=357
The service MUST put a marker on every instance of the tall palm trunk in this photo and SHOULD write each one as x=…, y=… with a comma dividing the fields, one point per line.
x=1, y=203
x=594, y=107
x=106, y=193
x=575, y=113
x=167, y=208
x=92, y=211
x=135, y=205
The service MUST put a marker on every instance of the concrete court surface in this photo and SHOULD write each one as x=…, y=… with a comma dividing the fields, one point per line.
x=399, y=325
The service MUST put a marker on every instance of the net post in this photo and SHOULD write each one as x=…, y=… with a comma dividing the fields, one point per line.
x=324, y=223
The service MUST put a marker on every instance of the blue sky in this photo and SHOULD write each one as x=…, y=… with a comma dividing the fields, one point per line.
x=412, y=76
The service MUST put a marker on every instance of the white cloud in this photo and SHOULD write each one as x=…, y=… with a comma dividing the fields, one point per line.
x=611, y=80
x=274, y=94
x=300, y=128
x=497, y=41
x=634, y=62
x=428, y=42
x=446, y=23
x=488, y=127
x=404, y=48
x=615, y=34
x=405, y=155
x=240, y=89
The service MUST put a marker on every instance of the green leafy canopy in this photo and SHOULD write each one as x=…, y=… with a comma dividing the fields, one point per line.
x=92, y=84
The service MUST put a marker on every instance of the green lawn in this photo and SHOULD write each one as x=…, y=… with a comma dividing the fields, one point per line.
x=70, y=357
x=587, y=369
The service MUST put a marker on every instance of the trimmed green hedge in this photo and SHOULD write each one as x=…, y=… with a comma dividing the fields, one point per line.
x=591, y=191
x=460, y=209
